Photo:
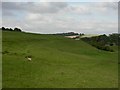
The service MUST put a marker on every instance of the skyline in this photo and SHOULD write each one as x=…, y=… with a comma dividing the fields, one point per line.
x=58, y=17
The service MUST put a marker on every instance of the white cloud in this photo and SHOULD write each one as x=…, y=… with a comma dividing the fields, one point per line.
x=60, y=17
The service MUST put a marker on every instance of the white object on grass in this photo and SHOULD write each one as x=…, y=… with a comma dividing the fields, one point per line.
x=29, y=59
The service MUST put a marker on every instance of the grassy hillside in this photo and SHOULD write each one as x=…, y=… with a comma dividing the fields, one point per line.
x=57, y=62
x=0, y=60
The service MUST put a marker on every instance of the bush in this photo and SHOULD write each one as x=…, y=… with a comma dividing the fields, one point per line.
x=5, y=52
x=3, y=28
x=111, y=44
x=10, y=29
x=100, y=42
x=105, y=48
x=17, y=29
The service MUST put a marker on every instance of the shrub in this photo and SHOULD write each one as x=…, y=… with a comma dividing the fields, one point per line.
x=111, y=44
x=3, y=28
x=5, y=52
x=17, y=29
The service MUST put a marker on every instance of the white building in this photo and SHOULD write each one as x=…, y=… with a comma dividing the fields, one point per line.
x=76, y=36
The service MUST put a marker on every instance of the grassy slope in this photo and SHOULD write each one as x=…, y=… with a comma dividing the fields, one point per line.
x=56, y=62
x=0, y=60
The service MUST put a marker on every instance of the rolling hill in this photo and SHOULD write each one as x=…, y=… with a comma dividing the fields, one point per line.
x=57, y=62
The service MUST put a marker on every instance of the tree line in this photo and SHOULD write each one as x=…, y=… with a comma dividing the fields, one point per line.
x=69, y=34
x=10, y=29
x=103, y=42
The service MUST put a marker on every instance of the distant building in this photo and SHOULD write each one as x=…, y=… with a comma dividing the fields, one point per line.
x=73, y=37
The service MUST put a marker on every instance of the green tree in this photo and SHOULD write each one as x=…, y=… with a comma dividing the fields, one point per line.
x=17, y=29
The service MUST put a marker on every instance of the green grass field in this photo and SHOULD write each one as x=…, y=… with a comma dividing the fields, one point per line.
x=57, y=62
x=0, y=60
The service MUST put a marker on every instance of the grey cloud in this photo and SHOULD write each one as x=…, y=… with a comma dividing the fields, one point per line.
x=107, y=5
x=48, y=8
x=8, y=13
x=12, y=5
x=59, y=4
x=42, y=7
x=113, y=5
x=10, y=8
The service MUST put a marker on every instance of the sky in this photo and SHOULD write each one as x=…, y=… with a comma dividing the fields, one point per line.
x=57, y=17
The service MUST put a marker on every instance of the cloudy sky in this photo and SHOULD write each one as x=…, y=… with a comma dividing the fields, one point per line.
x=56, y=17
